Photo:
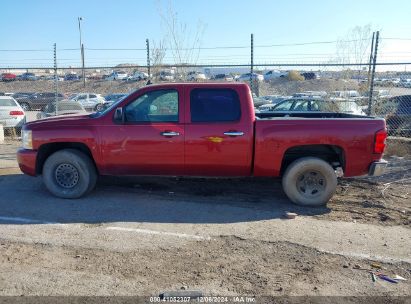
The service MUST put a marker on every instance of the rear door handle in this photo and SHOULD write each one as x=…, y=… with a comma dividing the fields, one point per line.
x=234, y=133
x=170, y=133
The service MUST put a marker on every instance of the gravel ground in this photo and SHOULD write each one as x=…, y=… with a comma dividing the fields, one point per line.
x=143, y=236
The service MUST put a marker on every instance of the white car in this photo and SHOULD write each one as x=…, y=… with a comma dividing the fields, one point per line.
x=90, y=101
x=117, y=75
x=247, y=76
x=346, y=94
x=274, y=75
x=137, y=76
x=11, y=113
x=166, y=76
x=349, y=106
x=196, y=76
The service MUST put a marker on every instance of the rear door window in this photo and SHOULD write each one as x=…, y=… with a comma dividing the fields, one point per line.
x=213, y=105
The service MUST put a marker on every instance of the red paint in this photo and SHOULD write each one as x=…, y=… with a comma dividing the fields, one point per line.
x=202, y=149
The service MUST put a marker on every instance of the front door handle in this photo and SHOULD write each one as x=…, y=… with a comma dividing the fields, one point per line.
x=234, y=133
x=170, y=133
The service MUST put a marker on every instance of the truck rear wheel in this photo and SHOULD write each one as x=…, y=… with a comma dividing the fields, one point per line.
x=309, y=181
x=69, y=173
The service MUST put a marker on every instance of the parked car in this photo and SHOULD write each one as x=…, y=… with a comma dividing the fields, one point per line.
x=137, y=76
x=63, y=107
x=309, y=75
x=309, y=104
x=114, y=97
x=247, y=76
x=117, y=75
x=8, y=77
x=196, y=76
x=274, y=99
x=90, y=101
x=202, y=129
x=223, y=77
x=37, y=101
x=71, y=77
x=399, y=120
x=11, y=114
x=270, y=75
x=166, y=76
x=348, y=106
x=19, y=95
x=351, y=94
x=28, y=76
x=54, y=77
x=319, y=94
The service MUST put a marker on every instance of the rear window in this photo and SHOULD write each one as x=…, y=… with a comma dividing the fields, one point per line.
x=7, y=102
x=209, y=105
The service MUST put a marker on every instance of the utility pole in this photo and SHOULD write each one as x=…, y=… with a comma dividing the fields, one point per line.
x=252, y=63
x=148, y=58
x=374, y=63
x=55, y=78
x=83, y=73
x=81, y=52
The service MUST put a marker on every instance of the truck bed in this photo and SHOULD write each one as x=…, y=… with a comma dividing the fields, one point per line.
x=353, y=135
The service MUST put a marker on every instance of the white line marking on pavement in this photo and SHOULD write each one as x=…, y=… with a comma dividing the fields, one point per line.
x=24, y=220
x=154, y=232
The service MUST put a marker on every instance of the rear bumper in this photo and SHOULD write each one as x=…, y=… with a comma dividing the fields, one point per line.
x=27, y=161
x=377, y=168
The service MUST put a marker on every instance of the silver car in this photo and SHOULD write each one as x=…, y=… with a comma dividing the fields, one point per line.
x=64, y=107
x=90, y=101
x=11, y=113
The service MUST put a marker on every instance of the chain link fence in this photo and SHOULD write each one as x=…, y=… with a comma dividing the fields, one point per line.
x=33, y=92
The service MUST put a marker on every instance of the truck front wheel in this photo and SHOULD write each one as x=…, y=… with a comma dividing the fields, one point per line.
x=69, y=173
x=309, y=181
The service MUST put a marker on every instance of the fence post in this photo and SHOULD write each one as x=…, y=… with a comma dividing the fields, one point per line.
x=252, y=63
x=374, y=63
x=370, y=62
x=148, y=58
x=55, y=77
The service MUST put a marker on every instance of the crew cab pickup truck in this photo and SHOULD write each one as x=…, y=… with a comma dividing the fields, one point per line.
x=202, y=129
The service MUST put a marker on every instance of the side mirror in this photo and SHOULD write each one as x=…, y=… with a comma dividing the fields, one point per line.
x=118, y=115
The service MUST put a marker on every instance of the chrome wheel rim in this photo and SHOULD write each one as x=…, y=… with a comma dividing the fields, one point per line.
x=311, y=184
x=66, y=176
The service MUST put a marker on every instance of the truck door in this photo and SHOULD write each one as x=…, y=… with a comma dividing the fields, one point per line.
x=151, y=139
x=219, y=133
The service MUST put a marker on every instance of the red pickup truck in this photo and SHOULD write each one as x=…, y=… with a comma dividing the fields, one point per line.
x=202, y=129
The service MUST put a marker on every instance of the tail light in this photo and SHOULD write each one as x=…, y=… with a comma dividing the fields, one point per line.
x=379, y=142
x=16, y=113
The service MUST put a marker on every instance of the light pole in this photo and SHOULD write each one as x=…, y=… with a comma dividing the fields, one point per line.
x=81, y=52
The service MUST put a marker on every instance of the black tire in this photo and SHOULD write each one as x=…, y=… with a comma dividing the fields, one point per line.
x=309, y=181
x=25, y=106
x=69, y=173
x=98, y=107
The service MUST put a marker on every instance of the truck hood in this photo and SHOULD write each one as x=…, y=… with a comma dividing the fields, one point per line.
x=62, y=120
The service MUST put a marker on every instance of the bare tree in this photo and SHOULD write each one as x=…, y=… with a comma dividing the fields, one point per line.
x=183, y=42
x=157, y=54
x=353, y=47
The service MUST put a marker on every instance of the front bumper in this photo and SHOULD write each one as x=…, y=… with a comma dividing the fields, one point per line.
x=377, y=168
x=27, y=161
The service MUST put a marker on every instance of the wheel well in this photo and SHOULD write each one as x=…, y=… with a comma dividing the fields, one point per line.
x=46, y=150
x=334, y=155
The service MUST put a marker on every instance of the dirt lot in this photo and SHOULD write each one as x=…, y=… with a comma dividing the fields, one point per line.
x=143, y=236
